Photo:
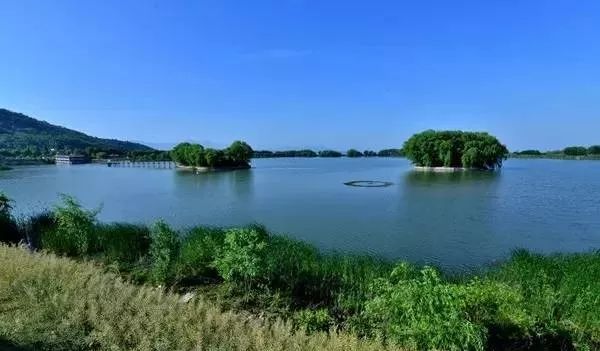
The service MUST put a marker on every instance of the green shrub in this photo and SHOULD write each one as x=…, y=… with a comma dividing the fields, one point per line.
x=559, y=293
x=9, y=231
x=419, y=311
x=164, y=248
x=243, y=259
x=291, y=269
x=313, y=320
x=36, y=226
x=74, y=233
x=199, y=250
x=122, y=242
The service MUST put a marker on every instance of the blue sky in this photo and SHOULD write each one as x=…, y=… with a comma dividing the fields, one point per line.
x=295, y=73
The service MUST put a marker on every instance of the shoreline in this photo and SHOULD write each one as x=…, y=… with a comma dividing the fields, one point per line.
x=442, y=169
x=198, y=170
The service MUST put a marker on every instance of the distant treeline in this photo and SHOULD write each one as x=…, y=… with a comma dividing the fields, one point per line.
x=327, y=153
x=23, y=137
x=568, y=152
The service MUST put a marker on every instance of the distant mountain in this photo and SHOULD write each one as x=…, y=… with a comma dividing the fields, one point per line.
x=21, y=135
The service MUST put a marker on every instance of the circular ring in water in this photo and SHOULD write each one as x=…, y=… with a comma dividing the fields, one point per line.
x=368, y=183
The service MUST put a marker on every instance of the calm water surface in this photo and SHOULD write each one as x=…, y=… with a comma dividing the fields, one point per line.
x=457, y=221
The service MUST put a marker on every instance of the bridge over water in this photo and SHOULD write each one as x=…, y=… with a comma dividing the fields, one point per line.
x=140, y=164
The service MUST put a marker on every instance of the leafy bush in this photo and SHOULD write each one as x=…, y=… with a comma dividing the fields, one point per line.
x=164, y=248
x=74, y=233
x=417, y=310
x=243, y=258
x=35, y=227
x=9, y=231
x=122, y=242
x=199, y=250
x=313, y=320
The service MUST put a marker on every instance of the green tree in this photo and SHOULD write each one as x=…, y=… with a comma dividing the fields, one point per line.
x=455, y=149
x=330, y=153
x=575, y=151
x=239, y=152
x=213, y=158
x=594, y=150
x=354, y=153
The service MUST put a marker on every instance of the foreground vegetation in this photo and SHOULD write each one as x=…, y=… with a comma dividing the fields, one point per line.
x=51, y=303
x=455, y=149
x=529, y=302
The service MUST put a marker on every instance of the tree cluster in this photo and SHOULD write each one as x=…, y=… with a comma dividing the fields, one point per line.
x=455, y=149
x=576, y=151
x=391, y=153
x=330, y=153
x=195, y=155
x=286, y=153
x=354, y=153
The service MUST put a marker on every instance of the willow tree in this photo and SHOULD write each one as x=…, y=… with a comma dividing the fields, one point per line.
x=455, y=149
x=238, y=154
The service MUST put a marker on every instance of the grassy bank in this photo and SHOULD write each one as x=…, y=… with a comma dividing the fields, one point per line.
x=51, y=303
x=529, y=302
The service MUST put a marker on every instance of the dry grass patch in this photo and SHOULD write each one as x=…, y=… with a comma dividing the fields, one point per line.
x=53, y=303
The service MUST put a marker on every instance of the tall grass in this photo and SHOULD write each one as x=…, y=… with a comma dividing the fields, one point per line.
x=52, y=303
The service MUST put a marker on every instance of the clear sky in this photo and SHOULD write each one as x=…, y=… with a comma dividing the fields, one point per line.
x=318, y=73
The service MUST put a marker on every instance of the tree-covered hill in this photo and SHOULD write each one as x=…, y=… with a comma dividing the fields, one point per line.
x=23, y=136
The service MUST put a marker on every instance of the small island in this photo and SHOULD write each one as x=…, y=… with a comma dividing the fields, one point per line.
x=197, y=158
x=448, y=151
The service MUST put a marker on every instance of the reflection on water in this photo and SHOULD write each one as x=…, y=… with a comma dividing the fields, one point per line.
x=448, y=210
x=455, y=220
x=414, y=177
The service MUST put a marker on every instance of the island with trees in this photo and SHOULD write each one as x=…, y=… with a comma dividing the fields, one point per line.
x=455, y=150
x=196, y=157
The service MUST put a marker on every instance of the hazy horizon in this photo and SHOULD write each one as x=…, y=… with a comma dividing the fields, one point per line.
x=293, y=74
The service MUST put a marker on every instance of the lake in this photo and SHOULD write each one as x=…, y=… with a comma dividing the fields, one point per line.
x=457, y=221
